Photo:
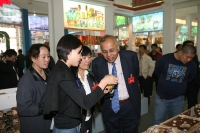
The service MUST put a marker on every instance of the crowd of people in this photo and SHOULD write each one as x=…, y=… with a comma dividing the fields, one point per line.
x=61, y=97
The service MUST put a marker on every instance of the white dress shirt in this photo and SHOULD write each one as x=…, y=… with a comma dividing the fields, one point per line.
x=122, y=89
x=146, y=66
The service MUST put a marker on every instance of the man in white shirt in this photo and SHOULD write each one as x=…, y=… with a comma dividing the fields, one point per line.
x=147, y=66
x=121, y=108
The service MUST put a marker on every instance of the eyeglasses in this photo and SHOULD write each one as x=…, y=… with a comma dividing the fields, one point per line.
x=109, y=51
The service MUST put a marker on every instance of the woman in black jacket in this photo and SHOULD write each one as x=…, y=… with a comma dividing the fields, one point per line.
x=63, y=96
x=87, y=81
x=31, y=90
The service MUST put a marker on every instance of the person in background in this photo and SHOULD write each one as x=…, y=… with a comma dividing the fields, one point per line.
x=20, y=63
x=155, y=56
x=192, y=90
x=31, y=90
x=159, y=50
x=28, y=61
x=8, y=72
x=178, y=47
x=64, y=97
x=1, y=54
x=121, y=107
x=87, y=82
x=51, y=63
x=174, y=70
x=146, y=71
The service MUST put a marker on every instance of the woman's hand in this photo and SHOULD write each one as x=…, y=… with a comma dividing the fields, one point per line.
x=108, y=79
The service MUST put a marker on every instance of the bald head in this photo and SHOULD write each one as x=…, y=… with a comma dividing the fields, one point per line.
x=189, y=49
x=107, y=37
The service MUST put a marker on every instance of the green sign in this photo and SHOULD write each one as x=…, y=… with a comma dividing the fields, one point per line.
x=137, y=3
x=120, y=20
x=183, y=29
x=194, y=30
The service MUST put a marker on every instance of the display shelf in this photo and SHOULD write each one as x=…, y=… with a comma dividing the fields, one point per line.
x=8, y=100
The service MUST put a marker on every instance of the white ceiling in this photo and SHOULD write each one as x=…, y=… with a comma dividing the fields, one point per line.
x=32, y=6
x=183, y=12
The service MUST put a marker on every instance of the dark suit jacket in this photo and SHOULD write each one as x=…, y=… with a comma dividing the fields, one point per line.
x=195, y=82
x=30, y=95
x=84, y=124
x=51, y=63
x=91, y=80
x=20, y=61
x=130, y=65
x=8, y=77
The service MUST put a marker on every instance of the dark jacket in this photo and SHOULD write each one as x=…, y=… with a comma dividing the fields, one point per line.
x=8, y=76
x=92, y=81
x=28, y=61
x=63, y=96
x=30, y=98
x=51, y=63
x=20, y=61
x=130, y=66
x=158, y=55
x=195, y=82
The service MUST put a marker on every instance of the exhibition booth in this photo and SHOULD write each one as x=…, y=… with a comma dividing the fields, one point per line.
x=10, y=28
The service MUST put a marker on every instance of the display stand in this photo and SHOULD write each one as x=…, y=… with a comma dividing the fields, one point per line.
x=8, y=100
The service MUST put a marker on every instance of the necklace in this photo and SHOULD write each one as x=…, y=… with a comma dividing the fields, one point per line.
x=42, y=73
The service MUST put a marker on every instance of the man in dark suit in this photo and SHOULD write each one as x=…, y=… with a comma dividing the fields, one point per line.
x=124, y=114
x=8, y=72
x=20, y=63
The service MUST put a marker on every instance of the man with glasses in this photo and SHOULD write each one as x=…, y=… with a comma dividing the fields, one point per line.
x=121, y=107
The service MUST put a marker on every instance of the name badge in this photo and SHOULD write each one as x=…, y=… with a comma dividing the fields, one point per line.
x=94, y=87
x=131, y=80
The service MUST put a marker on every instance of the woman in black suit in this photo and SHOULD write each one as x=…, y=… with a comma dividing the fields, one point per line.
x=64, y=96
x=31, y=90
x=87, y=81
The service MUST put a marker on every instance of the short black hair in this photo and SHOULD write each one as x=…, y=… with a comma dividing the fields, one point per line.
x=189, y=49
x=66, y=44
x=86, y=50
x=178, y=45
x=34, y=50
x=20, y=51
x=188, y=41
x=10, y=52
x=145, y=47
x=154, y=45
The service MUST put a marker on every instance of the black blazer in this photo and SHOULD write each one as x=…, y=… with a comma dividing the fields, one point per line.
x=63, y=95
x=8, y=77
x=30, y=96
x=92, y=81
x=20, y=61
x=130, y=65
